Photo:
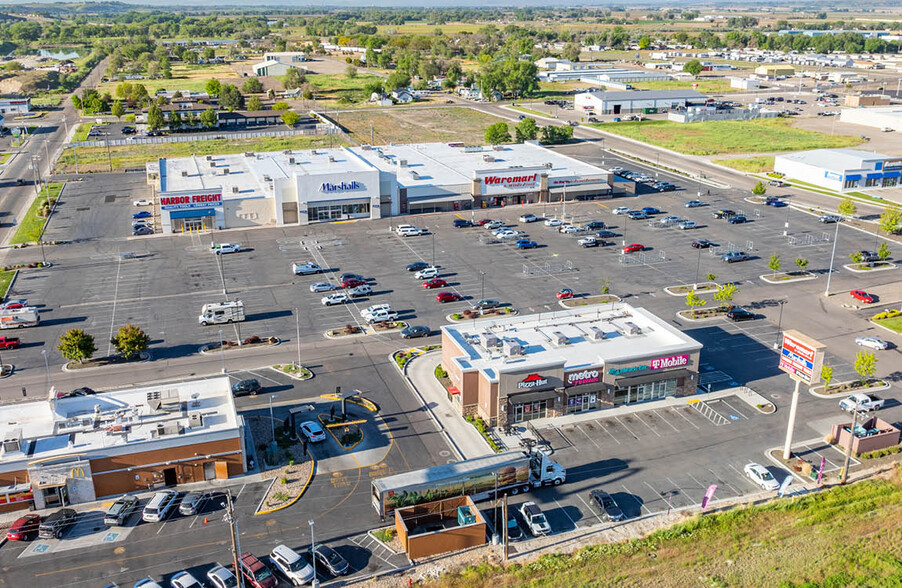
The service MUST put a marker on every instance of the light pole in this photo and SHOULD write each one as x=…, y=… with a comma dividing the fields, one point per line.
x=698, y=265
x=482, y=297
x=315, y=582
x=699, y=184
x=272, y=421
x=47, y=367
x=657, y=163
x=297, y=318
x=845, y=467
x=602, y=151
x=779, y=325
x=222, y=351
x=433, y=249
x=832, y=255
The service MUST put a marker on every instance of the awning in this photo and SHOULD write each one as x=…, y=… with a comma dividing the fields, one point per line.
x=875, y=176
x=532, y=396
x=440, y=199
x=580, y=188
x=192, y=213
x=853, y=177
x=892, y=174
x=653, y=377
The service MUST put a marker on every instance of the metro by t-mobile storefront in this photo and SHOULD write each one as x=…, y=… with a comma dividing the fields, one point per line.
x=520, y=369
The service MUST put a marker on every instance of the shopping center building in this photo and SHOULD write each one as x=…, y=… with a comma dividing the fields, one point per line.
x=305, y=186
x=63, y=451
x=520, y=368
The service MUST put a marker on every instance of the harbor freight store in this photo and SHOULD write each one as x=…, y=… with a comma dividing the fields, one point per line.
x=516, y=369
x=302, y=187
x=63, y=451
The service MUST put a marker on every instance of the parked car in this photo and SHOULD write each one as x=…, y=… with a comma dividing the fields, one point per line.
x=142, y=214
x=687, y=224
x=434, y=283
x=553, y=222
x=650, y=210
x=128, y=130
x=257, y=573
x=303, y=268
x=313, y=431
x=381, y=316
x=734, y=256
x=54, y=525
x=223, y=248
x=589, y=242
x=483, y=221
x=514, y=532
x=830, y=218
x=862, y=296
x=142, y=230
x=290, y=564
x=143, y=202
x=568, y=229
x=528, y=218
x=862, y=402
x=724, y=213
x=417, y=266
x=349, y=277
x=637, y=215
x=321, y=287
x=534, y=518
x=220, y=577
x=668, y=220
x=694, y=204
x=761, y=476
x=147, y=583
x=24, y=528
x=702, y=244
x=409, y=231
x=508, y=235
x=9, y=342
x=605, y=503
x=184, y=579
x=330, y=560
x=193, y=503
x=595, y=225
x=415, y=332
x=426, y=273
x=872, y=342
x=337, y=298
x=526, y=244
x=447, y=297
x=375, y=308
x=621, y=210
x=361, y=290
x=248, y=387
x=605, y=234
x=633, y=247
x=737, y=220
x=118, y=512
x=160, y=506
x=737, y=314
x=564, y=294
x=869, y=256
x=460, y=223
x=485, y=304
x=494, y=225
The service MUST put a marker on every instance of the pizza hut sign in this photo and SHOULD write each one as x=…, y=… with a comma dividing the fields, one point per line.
x=583, y=377
x=532, y=381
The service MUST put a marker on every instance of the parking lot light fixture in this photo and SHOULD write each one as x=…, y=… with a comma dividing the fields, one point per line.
x=222, y=351
x=832, y=256
x=315, y=582
x=779, y=324
x=482, y=296
x=272, y=421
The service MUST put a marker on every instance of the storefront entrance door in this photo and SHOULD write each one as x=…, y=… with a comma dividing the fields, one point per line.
x=193, y=224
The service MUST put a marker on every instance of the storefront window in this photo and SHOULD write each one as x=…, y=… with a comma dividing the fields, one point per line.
x=530, y=411
x=644, y=392
x=582, y=402
x=337, y=211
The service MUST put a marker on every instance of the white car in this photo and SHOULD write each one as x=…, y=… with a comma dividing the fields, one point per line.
x=553, y=222
x=501, y=230
x=143, y=202
x=534, y=518
x=291, y=565
x=872, y=342
x=362, y=290
x=411, y=232
x=381, y=316
x=425, y=274
x=337, y=298
x=313, y=431
x=669, y=220
x=495, y=224
x=184, y=580
x=371, y=310
x=220, y=577
x=621, y=210
x=694, y=204
x=528, y=218
x=571, y=229
x=321, y=287
x=687, y=224
x=223, y=248
x=303, y=268
x=511, y=235
x=759, y=475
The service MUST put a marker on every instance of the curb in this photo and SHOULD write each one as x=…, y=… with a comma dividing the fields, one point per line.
x=12, y=283
x=887, y=329
x=783, y=466
x=802, y=278
x=885, y=386
x=145, y=357
x=292, y=376
x=563, y=303
x=679, y=315
x=697, y=291
x=206, y=350
x=480, y=317
x=370, y=533
x=851, y=267
x=367, y=404
x=295, y=499
x=367, y=331
x=328, y=428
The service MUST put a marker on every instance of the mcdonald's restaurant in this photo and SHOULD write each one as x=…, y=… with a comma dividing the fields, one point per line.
x=65, y=451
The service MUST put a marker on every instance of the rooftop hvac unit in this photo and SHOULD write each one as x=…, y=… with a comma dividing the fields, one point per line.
x=414, y=175
x=209, y=157
x=366, y=147
x=195, y=420
x=212, y=164
x=560, y=338
x=248, y=153
x=331, y=159
x=164, y=429
x=266, y=178
x=167, y=400
x=488, y=340
x=12, y=441
x=184, y=173
x=548, y=165
x=225, y=171
x=234, y=189
x=287, y=152
x=402, y=163
x=512, y=347
x=632, y=328
x=488, y=158
x=473, y=149
x=291, y=160
x=597, y=334
x=498, y=147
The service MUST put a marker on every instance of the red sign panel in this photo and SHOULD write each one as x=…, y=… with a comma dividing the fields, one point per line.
x=198, y=200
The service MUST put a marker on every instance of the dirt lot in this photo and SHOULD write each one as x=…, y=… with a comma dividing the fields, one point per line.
x=419, y=125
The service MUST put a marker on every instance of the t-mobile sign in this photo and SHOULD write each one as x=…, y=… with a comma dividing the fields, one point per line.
x=669, y=362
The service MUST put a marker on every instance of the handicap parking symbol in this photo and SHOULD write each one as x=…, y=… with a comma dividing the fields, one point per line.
x=110, y=537
x=733, y=417
x=40, y=547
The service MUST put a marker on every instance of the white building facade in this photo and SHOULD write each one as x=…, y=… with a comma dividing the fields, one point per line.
x=841, y=170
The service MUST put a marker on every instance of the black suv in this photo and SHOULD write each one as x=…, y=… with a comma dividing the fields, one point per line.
x=595, y=225
x=246, y=387
x=737, y=314
x=53, y=526
x=461, y=223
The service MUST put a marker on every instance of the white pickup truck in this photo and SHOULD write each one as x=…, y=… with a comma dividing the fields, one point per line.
x=862, y=402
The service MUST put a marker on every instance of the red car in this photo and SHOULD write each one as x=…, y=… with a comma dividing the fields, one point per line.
x=862, y=296
x=435, y=283
x=352, y=283
x=483, y=221
x=633, y=247
x=447, y=297
x=24, y=528
x=564, y=294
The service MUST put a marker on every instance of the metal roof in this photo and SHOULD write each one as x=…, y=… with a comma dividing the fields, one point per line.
x=648, y=95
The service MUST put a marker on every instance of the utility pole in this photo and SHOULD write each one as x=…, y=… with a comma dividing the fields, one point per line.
x=832, y=255
x=506, y=538
x=845, y=467
x=297, y=320
x=315, y=582
x=233, y=532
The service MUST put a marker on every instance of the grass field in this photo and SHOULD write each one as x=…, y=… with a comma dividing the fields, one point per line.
x=420, y=125
x=846, y=536
x=759, y=164
x=531, y=111
x=893, y=324
x=132, y=156
x=332, y=88
x=29, y=230
x=728, y=136
x=192, y=78
x=705, y=85
x=46, y=101
x=549, y=90
x=6, y=278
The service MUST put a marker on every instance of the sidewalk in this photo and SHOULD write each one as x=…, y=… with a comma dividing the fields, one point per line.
x=461, y=435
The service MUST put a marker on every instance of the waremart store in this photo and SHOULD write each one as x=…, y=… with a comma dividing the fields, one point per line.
x=301, y=187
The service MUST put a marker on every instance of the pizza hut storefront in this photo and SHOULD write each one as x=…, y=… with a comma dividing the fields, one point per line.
x=190, y=211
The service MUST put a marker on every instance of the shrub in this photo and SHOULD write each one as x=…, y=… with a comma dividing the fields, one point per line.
x=882, y=452
x=440, y=372
x=251, y=340
x=894, y=312
x=469, y=313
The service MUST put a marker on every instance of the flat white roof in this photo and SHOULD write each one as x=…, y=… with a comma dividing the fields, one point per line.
x=119, y=422
x=838, y=160
x=630, y=334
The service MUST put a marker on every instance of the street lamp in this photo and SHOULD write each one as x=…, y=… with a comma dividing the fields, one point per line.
x=832, y=255
x=433, y=249
x=698, y=265
x=315, y=582
x=602, y=152
x=222, y=351
x=699, y=184
x=272, y=421
x=779, y=325
x=482, y=297
x=47, y=367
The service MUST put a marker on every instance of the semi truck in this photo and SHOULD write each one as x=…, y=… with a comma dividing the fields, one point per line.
x=221, y=312
x=17, y=318
x=480, y=478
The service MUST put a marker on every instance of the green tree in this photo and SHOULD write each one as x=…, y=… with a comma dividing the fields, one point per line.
x=710, y=277
x=891, y=219
x=155, y=119
x=76, y=102
x=290, y=118
x=175, y=120
x=293, y=78
x=694, y=301
x=826, y=376
x=166, y=68
x=497, y=133
x=117, y=109
x=280, y=106
x=230, y=98
x=847, y=207
x=759, y=189
x=571, y=52
x=208, y=117
x=553, y=135
x=252, y=86
x=254, y=103
x=865, y=364
x=76, y=345
x=883, y=253
x=693, y=67
x=802, y=264
x=526, y=130
x=130, y=341
x=397, y=79
x=856, y=257
x=209, y=53
x=725, y=294
x=213, y=87
x=351, y=72
x=774, y=263
x=645, y=42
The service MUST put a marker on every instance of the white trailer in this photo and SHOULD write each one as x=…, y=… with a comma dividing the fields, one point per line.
x=18, y=318
x=221, y=312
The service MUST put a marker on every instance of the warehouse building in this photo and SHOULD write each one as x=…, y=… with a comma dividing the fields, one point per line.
x=520, y=368
x=841, y=170
x=300, y=187
x=636, y=101
x=889, y=117
x=72, y=450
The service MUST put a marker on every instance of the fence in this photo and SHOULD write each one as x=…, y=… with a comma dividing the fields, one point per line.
x=808, y=239
x=641, y=258
x=320, y=129
x=548, y=268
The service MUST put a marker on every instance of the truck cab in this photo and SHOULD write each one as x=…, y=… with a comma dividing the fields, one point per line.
x=546, y=472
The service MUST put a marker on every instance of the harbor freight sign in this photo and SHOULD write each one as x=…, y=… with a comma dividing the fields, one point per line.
x=190, y=199
x=802, y=357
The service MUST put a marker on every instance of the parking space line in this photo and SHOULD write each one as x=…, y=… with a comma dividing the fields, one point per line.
x=724, y=400
x=627, y=428
x=565, y=513
x=646, y=424
x=666, y=421
x=741, y=474
x=682, y=491
x=587, y=437
x=601, y=424
x=656, y=493
x=277, y=383
x=677, y=410
x=694, y=479
x=724, y=482
x=588, y=506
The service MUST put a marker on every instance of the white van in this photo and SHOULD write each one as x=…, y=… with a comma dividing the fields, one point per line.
x=221, y=312
x=409, y=231
x=160, y=506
